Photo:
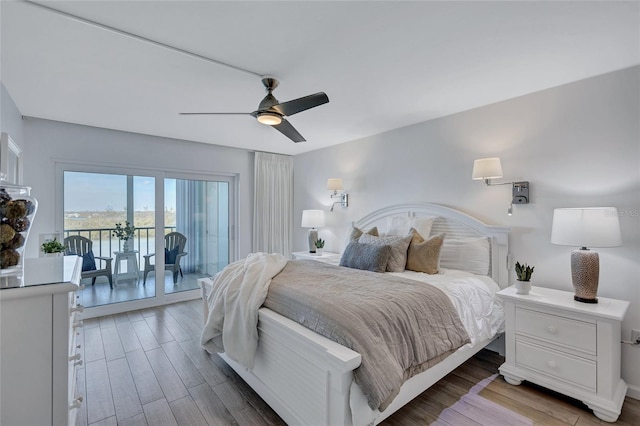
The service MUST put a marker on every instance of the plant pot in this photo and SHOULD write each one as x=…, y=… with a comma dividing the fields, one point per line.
x=125, y=245
x=523, y=287
x=318, y=251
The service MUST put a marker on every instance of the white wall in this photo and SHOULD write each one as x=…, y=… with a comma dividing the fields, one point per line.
x=10, y=117
x=578, y=145
x=49, y=141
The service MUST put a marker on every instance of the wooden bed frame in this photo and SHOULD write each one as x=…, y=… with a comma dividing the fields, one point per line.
x=307, y=378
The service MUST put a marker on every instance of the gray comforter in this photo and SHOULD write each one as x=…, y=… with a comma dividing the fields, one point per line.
x=400, y=327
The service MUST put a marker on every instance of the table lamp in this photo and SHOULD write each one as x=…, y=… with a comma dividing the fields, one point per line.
x=586, y=227
x=312, y=219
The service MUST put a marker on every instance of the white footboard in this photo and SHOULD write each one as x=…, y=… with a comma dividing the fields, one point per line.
x=299, y=373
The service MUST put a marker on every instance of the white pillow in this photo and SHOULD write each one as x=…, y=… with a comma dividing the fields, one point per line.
x=401, y=225
x=468, y=254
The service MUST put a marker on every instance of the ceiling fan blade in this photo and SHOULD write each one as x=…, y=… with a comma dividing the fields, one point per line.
x=215, y=113
x=301, y=104
x=289, y=131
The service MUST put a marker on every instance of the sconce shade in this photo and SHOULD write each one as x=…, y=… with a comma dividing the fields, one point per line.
x=312, y=218
x=334, y=184
x=487, y=168
x=586, y=227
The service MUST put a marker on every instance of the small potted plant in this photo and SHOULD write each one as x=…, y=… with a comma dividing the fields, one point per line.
x=124, y=233
x=319, y=246
x=523, y=272
x=52, y=247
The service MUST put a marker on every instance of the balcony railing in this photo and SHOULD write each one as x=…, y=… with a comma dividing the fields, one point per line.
x=104, y=243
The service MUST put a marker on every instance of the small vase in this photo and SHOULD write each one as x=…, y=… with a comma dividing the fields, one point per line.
x=125, y=245
x=17, y=211
x=523, y=287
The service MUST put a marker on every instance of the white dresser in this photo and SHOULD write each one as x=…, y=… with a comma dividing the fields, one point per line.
x=567, y=346
x=38, y=354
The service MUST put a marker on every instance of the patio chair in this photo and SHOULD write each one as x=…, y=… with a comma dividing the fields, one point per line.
x=81, y=246
x=174, y=243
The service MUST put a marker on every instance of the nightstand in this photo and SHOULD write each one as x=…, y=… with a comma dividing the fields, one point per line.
x=567, y=346
x=327, y=257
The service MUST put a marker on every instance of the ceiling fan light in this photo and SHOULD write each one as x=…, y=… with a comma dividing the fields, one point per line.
x=269, y=118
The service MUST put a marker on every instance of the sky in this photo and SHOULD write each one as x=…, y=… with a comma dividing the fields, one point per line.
x=102, y=192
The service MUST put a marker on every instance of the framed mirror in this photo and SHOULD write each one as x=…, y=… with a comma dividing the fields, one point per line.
x=10, y=159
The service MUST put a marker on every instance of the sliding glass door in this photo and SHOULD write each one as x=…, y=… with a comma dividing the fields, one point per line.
x=187, y=219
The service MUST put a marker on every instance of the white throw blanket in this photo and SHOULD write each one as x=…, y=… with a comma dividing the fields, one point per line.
x=238, y=292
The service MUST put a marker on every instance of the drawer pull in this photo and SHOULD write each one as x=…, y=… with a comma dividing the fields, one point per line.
x=552, y=364
x=552, y=329
x=78, y=324
x=77, y=308
x=74, y=357
x=76, y=403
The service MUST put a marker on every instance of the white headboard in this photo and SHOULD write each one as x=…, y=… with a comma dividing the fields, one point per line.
x=456, y=225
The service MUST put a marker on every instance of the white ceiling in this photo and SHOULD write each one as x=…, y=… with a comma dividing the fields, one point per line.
x=383, y=65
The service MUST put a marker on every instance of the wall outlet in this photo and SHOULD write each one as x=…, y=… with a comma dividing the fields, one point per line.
x=635, y=336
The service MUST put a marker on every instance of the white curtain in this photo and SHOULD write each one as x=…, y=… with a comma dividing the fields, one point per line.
x=273, y=203
x=189, y=206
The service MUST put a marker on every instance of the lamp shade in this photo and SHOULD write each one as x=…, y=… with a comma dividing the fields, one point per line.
x=312, y=218
x=334, y=184
x=586, y=227
x=487, y=168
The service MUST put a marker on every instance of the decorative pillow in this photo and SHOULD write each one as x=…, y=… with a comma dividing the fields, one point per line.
x=170, y=255
x=366, y=256
x=468, y=254
x=357, y=232
x=399, y=246
x=88, y=261
x=424, y=255
x=401, y=225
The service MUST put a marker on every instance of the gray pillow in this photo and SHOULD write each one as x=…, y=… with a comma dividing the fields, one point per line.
x=366, y=256
x=399, y=246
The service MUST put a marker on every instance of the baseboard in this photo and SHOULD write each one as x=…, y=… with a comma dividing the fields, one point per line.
x=497, y=345
x=633, y=391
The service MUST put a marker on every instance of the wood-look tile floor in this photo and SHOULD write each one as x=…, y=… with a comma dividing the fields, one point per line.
x=147, y=368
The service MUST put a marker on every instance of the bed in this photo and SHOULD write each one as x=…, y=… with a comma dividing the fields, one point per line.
x=308, y=379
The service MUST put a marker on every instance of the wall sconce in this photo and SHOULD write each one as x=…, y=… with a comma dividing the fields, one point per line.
x=334, y=185
x=490, y=168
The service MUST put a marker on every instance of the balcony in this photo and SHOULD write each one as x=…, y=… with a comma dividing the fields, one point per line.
x=104, y=244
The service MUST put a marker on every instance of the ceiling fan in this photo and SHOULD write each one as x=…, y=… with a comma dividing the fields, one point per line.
x=273, y=113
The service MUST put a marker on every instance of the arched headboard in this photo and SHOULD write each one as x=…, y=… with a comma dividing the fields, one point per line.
x=455, y=224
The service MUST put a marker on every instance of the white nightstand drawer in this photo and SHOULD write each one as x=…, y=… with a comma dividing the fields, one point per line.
x=577, y=371
x=567, y=332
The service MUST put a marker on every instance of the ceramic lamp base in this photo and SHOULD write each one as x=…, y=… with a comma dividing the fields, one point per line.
x=585, y=273
x=313, y=237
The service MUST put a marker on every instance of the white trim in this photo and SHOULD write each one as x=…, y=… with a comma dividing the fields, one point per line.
x=7, y=144
x=633, y=391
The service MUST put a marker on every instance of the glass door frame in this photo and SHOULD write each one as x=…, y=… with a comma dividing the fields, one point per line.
x=159, y=176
